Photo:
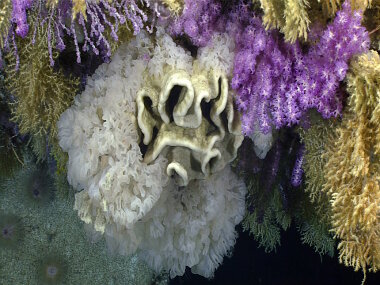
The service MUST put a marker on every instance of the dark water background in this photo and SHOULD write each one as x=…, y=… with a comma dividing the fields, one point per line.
x=293, y=263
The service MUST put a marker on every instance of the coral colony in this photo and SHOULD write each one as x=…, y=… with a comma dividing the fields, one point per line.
x=173, y=121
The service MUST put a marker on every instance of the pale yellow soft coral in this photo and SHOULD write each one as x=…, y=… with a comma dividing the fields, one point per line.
x=175, y=6
x=79, y=6
x=294, y=17
x=353, y=168
x=5, y=17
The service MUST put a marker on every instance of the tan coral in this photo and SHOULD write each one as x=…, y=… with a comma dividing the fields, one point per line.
x=353, y=168
x=175, y=6
x=294, y=17
x=5, y=17
x=196, y=125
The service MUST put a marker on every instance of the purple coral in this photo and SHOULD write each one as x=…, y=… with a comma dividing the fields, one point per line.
x=19, y=16
x=89, y=33
x=277, y=83
x=199, y=20
x=297, y=173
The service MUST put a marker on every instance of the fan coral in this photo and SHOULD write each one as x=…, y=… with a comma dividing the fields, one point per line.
x=132, y=202
x=353, y=168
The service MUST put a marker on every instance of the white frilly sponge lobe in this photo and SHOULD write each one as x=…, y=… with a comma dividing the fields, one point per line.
x=132, y=201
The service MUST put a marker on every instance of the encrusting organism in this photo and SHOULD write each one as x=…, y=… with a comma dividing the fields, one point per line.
x=52, y=269
x=352, y=170
x=54, y=230
x=33, y=184
x=135, y=204
x=11, y=231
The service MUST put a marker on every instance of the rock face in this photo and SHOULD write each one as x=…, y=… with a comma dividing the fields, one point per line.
x=190, y=120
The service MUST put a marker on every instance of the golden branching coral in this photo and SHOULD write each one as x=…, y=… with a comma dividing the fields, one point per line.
x=290, y=16
x=41, y=92
x=353, y=168
x=79, y=6
x=294, y=17
x=5, y=16
x=175, y=6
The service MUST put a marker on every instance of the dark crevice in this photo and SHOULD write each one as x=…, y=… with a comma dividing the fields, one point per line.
x=174, y=95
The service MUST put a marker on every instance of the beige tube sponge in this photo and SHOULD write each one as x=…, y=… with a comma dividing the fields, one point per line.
x=126, y=192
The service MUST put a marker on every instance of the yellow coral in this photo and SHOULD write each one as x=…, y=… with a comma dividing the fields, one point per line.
x=42, y=93
x=353, y=168
x=5, y=16
x=293, y=17
x=175, y=6
x=79, y=6
x=296, y=16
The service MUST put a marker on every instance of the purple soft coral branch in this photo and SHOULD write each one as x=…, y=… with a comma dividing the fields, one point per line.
x=297, y=173
x=19, y=16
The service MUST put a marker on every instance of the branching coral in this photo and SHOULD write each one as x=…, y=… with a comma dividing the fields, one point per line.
x=277, y=83
x=353, y=168
x=132, y=202
x=272, y=202
x=315, y=139
x=41, y=93
x=294, y=17
x=290, y=16
x=268, y=201
x=175, y=6
x=91, y=25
